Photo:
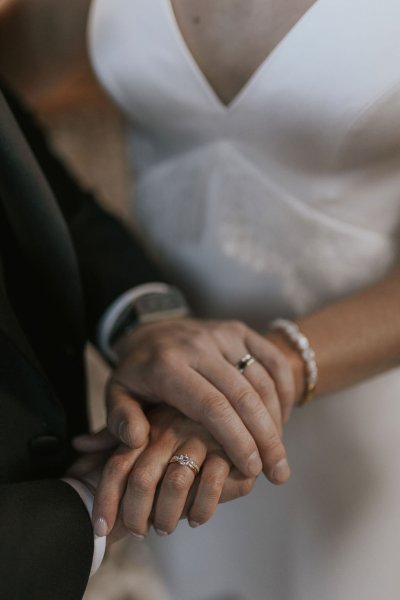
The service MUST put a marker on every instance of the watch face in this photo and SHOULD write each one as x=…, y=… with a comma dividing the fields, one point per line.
x=153, y=306
x=149, y=307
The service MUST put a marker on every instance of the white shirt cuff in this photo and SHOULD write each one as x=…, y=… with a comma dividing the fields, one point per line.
x=99, y=542
x=112, y=313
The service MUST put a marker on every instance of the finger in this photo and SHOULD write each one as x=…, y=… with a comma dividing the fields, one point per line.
x=236, y=486
x=262, y=383
x=258, y=377
x=111, y=489
x=175, y=487
x=86, y=463
x=125, y=419
x=142, y=485
x=95, y=442
x=212, y=478
x=278, y=366
x=255, y=416
x=208, y=406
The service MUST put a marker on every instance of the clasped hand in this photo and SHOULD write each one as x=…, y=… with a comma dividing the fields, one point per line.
x=230, y=423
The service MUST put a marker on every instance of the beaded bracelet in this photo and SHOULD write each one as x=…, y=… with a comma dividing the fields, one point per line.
x=302, y=345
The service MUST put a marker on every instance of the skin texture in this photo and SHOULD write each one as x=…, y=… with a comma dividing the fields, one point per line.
x=353, y=339
x=211, y=32
x=189, y=364
x=139, y=488
x=358, y=337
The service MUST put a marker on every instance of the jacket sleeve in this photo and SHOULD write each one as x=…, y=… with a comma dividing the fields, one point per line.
x=46, y=536
x=38, y=545
x=111, y=260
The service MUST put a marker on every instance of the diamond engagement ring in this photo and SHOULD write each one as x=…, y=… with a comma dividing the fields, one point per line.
x=185, y=461
x=244, y=362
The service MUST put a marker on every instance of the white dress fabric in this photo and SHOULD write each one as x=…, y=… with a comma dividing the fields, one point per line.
x=284, y=200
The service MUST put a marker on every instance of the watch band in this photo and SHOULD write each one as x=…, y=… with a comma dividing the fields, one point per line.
x=121, y=305
x=149, y=307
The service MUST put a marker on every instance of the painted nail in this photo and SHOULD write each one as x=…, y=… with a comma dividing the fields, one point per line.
x=100, y=527
x=137, y=536
x=254, y=464
x=123, y=433
x=194, y=524
x=161, y=533
x=281, y=471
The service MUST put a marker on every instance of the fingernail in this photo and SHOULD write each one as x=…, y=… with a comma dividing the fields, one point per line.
x=194, y=524
x=100, y=527
x=137, y=536
x=254, y=464
x=161, y=533
x=123, y=433
x=281, y=471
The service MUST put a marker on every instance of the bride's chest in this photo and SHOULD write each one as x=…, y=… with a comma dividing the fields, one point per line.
x=328, y=94
x=229, y=39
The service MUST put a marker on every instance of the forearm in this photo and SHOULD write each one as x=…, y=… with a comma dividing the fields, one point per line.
x=353, y=339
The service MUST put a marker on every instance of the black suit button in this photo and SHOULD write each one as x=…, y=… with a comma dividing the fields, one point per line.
x=46, y=444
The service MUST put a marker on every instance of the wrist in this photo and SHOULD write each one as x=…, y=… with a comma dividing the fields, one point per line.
x=128, y=340
x=141, y=305
x=294, y=359
x=301, y=344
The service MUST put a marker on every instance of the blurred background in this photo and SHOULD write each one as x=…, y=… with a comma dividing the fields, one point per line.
x=43, y=57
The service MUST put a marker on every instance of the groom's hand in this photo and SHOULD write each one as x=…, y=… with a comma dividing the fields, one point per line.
x=192, y=366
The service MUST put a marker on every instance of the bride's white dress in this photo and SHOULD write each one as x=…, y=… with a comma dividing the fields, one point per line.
x=284, y=200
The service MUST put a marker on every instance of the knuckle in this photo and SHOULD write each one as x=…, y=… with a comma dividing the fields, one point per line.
x=200, y=340
x=141, y=481
x=245, y=486
x=238, y=327
x=246, y=401
x=176, y=482
x=164, y=355
x=117, y=465
x=212, y=485
x=214, y=407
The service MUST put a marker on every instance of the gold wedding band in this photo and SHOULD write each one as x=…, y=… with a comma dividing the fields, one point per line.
x=185, y=461
x=244, y=362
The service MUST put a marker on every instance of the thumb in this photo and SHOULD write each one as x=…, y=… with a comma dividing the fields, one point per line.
x=126, y=419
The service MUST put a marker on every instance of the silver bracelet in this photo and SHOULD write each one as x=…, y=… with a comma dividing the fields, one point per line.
x=302, y=345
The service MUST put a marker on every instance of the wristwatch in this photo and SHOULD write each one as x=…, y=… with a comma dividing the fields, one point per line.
x=149, y=307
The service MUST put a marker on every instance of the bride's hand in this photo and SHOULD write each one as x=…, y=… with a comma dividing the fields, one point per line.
x=143, y=488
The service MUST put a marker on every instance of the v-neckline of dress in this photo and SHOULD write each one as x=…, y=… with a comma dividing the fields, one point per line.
x=240, y=96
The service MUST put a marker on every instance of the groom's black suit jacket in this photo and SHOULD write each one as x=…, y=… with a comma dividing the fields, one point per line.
x=63, y=260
